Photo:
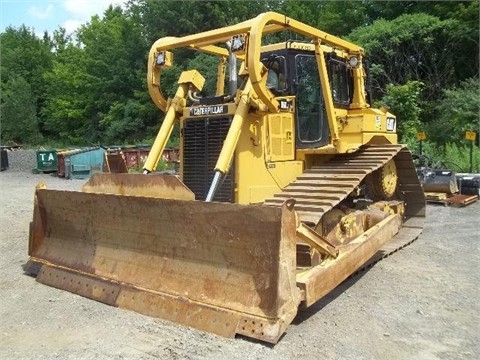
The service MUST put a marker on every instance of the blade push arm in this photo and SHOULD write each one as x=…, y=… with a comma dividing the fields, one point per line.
x=226, y=155
x=188, y=79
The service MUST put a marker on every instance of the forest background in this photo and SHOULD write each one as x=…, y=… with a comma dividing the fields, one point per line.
x=89, y=87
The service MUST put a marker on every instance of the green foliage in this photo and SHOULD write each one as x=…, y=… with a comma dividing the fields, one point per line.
x=404, y=102
x=412, y=47
x=18, y=109
x=339, y=17
x=114, y=52
x=207, y=66
x=24, y=54
x=453, y=156
x=165, y=166
x=458, y=156
x=458, y=111
x=125, y=121
x=390, y=10
x=439, y=50
x=179, y=18
x=68, y=97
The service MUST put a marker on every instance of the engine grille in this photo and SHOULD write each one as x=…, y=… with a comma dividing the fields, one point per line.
x=202, y=142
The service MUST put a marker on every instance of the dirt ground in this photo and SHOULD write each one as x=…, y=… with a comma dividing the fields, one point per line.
x=420, y=303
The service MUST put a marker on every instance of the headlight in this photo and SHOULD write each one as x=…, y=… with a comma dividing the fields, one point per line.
x=163, y=59
x=391, y=124
x=353, y=61
x=160, y=58
x=238, y=43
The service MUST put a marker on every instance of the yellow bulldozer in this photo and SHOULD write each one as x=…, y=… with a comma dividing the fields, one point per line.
x=289, y=182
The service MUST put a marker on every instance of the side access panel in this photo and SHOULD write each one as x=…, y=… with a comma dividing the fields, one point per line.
x=223, y=268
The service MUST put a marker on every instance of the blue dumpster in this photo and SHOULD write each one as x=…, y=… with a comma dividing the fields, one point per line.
x=82, y=163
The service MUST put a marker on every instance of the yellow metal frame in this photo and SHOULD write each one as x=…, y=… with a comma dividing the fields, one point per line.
x=187, y=79
x=263, y=24
x=253, y=30
x=349, y=129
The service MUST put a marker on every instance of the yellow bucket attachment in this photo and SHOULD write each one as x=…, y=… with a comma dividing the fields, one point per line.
x=223, y=268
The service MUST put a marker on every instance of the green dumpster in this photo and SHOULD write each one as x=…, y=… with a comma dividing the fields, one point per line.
x=47, y=161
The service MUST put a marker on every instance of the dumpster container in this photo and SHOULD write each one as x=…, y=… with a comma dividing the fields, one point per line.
x=4, y=159
x=47, y=161
x=82, y=163
x=114, y=161
x=61, y=164
x=61, y=161
x=135, y=157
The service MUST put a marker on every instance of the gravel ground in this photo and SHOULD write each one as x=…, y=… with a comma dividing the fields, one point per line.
x=420, y=303
x=22, y=160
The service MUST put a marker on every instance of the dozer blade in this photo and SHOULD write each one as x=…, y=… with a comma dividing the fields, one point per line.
x=222, y=268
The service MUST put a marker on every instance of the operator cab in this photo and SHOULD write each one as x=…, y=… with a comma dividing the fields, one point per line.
x=294, y=72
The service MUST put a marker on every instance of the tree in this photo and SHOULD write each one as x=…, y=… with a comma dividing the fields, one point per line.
x=18, y=109
x=25, y=55
x=179, y=18
x=69, y=97
x=439, y=50
x=415, y=47
x=458, y=111
x=91, y=87
x=404, y=102
x=131, y=121
x=114, y=55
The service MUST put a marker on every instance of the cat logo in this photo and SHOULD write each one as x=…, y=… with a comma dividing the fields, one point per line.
x=209, y=110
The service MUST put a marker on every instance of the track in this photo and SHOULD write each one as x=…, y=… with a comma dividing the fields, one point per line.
x=323, y=187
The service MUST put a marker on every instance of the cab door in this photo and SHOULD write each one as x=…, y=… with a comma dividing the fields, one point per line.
x=311, y=118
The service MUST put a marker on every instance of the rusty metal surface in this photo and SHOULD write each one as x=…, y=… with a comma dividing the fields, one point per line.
x=151, y=185
x=321, y=188
x=462, y=200
x=180, y=310
x=115, y=162
x=458, y=200
x=315, y=240
x=320, y=280
x=218, y=321
x=81, y=284
x=135, y=157
x=224, y=261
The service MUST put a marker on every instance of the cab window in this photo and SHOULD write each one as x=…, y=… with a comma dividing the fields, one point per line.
x=310, y=114
x=276, y=77
x=339, y=82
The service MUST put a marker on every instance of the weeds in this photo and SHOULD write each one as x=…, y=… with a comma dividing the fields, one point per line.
x=455, y=157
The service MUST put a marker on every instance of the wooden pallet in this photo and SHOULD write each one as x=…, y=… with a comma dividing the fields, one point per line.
x=462, y=200
x=452, y=200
